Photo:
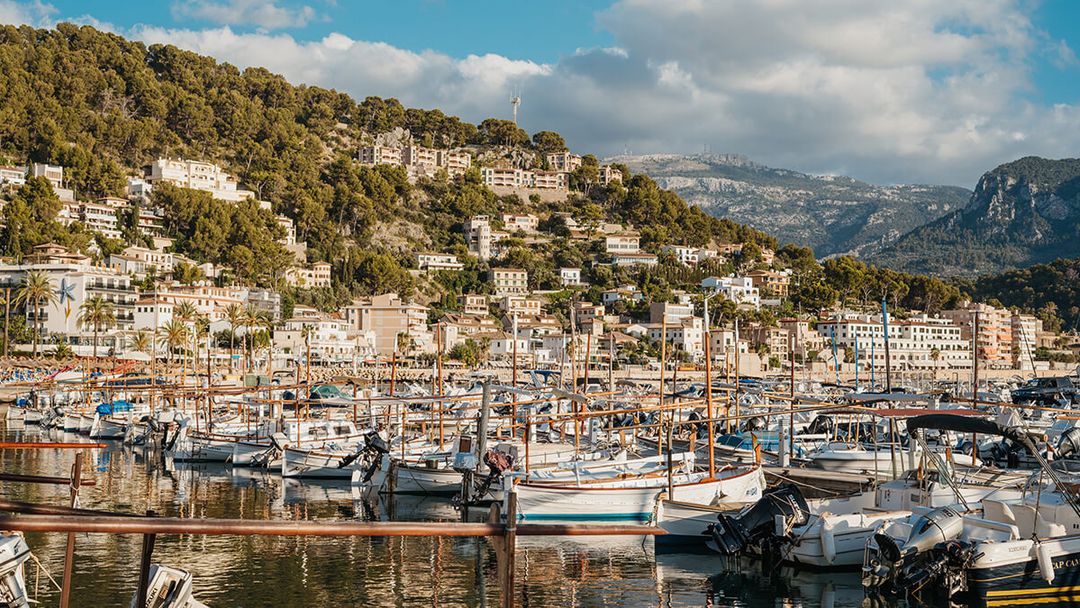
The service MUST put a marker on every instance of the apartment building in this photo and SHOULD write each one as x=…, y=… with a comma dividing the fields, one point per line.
x=380, y=155
x=807, y=339
x=521, y=305
x=478, y=237
x=510, y=281
x=564, y=162
x=917, y=343
x=1025, y=333
x=609, y=175
x=524, y=222
x=199, y=175
x=672, y=312
x=771, y=283
x=505, y=177
x=15, y=176
x=455, y=329
x=687, y=334
x=775, y=340
x=209, y=300
x=546, y=180
x=75, y=280
x=474, y=304
x=994, y=342
x=388, y=316
x=438, y=261
x=456, y=162
x=421, y=157
x=622, y=243
x=329, y=340
x=140, y=261
x=634, y=259
x=317, y=276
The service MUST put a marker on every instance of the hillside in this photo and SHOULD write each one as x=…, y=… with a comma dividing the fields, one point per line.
x=1021, y=213
x=833, y=215
x=1052, y=290
x=105, y=107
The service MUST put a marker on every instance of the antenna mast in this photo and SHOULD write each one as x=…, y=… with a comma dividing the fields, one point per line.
x=515, y=101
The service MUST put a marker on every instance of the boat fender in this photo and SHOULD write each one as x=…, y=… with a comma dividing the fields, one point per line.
x=828, y=539
x=1046, y=562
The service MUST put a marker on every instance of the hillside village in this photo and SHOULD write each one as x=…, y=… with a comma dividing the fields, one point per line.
x=730, y=302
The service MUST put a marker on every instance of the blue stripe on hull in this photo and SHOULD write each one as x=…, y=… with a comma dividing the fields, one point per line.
x=1021, y=583
x=638, y=517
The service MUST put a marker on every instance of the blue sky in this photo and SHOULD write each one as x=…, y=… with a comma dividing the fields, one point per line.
x=887, y=91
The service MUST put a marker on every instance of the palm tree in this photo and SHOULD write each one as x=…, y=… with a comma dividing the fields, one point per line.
x=36, y=291
x=141, y=341
x=97, y=313
x=200, y=331
x=266, y=321
x=234, y=314
x=174, y=335
x=62, y=350
x=935, y=356
x=251, y=319
x=185, y=312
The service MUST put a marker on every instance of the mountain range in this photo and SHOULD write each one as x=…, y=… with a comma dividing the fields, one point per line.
x=1021, y=213
x=832, y=214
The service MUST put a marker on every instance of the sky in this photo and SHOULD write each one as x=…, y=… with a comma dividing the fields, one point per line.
x=889, y=91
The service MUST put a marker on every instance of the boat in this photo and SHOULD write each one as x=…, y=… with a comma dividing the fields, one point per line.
x=1018, y=551
x=618, y=497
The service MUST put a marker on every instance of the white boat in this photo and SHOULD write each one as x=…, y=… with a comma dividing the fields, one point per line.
x=633, y=499
x=340, y=461
x=108, y=427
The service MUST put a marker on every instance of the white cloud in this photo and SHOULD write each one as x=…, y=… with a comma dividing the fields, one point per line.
x=902, y=91
x=36, y=13
x=263, y=14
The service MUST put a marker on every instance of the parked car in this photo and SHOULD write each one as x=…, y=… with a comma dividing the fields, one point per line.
x=1046, y=391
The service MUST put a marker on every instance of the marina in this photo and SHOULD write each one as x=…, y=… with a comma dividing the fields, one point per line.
x=198, y=465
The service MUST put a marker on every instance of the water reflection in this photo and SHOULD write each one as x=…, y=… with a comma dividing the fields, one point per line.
x=304, y=571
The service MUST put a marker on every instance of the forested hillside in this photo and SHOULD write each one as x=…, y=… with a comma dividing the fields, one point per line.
x=104, y=107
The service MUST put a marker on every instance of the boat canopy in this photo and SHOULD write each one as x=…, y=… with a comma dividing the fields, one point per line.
x=964, y=424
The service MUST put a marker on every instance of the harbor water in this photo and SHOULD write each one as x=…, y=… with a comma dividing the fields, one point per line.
x=294, y=572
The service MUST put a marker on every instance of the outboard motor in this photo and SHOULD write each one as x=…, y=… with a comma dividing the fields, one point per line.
x=375, y=446
x=932, y=552
x=757, y=423
x=169, y=588
x=785, y=505
x=13, y=554
x=938, y=526
x=1069, y=443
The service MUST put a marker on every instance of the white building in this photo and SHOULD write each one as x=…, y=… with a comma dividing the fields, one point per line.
x=140, y=261
x=199, y=175
x=570, y=277
x=380, y=155
x=739, y=290
x=634, y=259
x=524, y=222
x=309, y=278
x=622, y=243
x=565, y=162
x=687, y=334
x=438, y=261
x=478, y=236
x=510, y=281
x=505, y=177
x=917, y=343
x=152, y=313
x=16, y=176
x=329, y=340
x=690, y=255
x=75, y=280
